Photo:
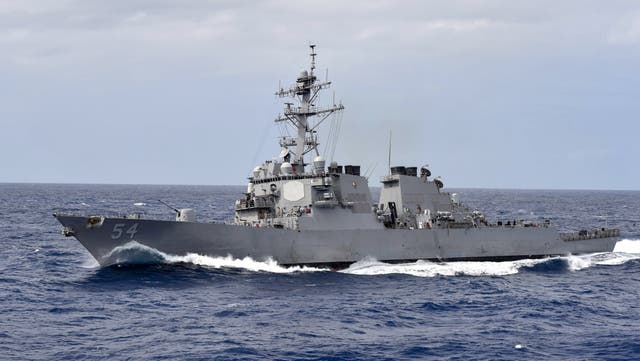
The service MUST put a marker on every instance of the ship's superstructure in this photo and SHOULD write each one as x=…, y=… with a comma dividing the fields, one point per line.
x=298, y=191
x=298, y=209
x=294, y=193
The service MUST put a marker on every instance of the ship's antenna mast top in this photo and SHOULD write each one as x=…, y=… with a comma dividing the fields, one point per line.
x=305, y=92
x=313, y=57
x=389, y=164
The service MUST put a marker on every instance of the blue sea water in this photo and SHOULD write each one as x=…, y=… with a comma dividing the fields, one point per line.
x=55, y=303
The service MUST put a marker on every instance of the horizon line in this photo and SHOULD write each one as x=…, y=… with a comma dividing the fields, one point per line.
x=241, y=185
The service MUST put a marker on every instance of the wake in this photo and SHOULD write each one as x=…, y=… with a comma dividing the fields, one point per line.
x=625, y=250
x=134, y=253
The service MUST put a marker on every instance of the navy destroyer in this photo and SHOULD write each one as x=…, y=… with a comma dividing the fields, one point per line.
x=299, y=209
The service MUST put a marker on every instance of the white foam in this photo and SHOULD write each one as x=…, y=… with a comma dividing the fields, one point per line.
x=430, y=269
x=628, y=246
x=269, y=265
x=624, y=251
x=577, y=263
x=90, y=263
x=139, y=204
x=136, y=253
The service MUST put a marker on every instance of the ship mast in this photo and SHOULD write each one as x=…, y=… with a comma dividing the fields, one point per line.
x=305, y=91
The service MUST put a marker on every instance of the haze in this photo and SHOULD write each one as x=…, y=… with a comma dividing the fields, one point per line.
x=497, y=94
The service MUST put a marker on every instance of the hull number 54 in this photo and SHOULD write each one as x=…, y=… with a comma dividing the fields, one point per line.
x=119, y=231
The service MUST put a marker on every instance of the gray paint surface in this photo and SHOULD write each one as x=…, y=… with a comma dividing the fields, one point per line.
x=290, y=247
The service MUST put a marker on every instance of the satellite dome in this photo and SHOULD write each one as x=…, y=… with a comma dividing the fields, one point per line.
x=438, y=182
x=286, y=168
x=256, y=171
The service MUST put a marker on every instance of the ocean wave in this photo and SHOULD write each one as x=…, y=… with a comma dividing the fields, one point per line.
x=625, y=251
x=90, y=263
x=421, y=268
x=628, y=246
x=136, y=253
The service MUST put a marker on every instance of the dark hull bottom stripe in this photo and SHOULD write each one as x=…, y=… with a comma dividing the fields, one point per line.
x=343, y=265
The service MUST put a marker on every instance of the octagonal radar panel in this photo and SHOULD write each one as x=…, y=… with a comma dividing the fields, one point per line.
x=293, y=191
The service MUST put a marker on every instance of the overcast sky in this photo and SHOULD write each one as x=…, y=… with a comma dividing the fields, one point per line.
x=501, y=94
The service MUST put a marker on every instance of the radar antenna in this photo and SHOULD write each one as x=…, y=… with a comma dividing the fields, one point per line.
x=313, y=57
x=389, y=160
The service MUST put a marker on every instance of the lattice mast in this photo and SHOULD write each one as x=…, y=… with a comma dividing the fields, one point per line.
x=305, y=92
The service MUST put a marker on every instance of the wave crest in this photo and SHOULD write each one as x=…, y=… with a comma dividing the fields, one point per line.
x=136, y=253
x=627, y=246
x=432, y=269
x=625, y=250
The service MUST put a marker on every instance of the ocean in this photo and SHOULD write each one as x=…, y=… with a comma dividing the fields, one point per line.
x=56, y=303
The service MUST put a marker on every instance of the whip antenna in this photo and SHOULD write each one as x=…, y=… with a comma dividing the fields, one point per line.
x=389, y=161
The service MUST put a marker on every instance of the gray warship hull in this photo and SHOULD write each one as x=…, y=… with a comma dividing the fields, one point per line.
x=299, y=211
x=332, y=248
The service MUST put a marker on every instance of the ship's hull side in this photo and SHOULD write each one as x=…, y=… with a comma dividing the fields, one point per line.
x=326, y=247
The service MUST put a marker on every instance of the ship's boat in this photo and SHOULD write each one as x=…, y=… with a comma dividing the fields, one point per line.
x=302, y=209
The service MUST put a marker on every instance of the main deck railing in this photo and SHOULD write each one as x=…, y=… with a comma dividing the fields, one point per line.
x=591, y=234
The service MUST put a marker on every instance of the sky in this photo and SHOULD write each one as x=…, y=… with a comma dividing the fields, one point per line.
x=490, y=94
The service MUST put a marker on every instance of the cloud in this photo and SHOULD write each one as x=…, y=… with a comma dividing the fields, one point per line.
x=427, y=69
x=627, y=31
x=425, y=28
x=73, y=32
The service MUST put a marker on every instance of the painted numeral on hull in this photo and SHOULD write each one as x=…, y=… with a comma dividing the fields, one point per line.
x=118, y=230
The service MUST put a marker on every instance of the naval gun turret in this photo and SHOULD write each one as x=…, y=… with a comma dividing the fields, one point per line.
x=182, y=214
